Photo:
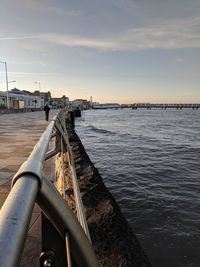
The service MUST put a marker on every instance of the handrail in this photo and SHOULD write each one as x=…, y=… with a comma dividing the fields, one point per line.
x=30, y=185
x=34, y=162
x=15, y=216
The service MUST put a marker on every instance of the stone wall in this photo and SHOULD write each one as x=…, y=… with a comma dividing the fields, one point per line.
x=113, y=240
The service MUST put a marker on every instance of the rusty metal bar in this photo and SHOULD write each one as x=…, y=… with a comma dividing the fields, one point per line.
x=69, y=261
x=51, y=154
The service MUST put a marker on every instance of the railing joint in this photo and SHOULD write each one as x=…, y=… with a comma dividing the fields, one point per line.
x=33, y=167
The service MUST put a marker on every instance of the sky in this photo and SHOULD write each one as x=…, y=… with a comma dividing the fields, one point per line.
x=123, y=51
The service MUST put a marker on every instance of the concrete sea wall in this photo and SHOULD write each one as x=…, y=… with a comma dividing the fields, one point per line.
x=113, y=240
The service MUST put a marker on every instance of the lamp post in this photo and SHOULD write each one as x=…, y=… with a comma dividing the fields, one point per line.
x=4, y=62
x=39, y=84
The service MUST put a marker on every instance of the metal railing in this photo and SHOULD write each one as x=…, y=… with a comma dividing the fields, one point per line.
x=29, y=186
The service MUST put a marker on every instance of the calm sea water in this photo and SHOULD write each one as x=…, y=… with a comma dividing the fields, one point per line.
x=150, y=161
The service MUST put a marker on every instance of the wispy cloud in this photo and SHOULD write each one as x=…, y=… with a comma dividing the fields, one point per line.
x=30, y=74
x=172, y=35
x=34, y=5
x=180, y=61
x=49, y=6
x=28, y=63
x=7, y=38
x=60, y=11
x=67, y=40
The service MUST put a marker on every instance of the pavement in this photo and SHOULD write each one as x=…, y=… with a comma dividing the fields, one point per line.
x=19, y=133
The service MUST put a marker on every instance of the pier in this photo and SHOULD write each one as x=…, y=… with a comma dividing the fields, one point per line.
x=165, y=106
x=136, y=106
x=76, y=220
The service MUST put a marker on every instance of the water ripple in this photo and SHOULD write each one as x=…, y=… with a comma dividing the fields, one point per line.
x=150, y=161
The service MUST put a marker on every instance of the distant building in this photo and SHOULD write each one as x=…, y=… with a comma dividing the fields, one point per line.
x=60, y=102
x=80, y=103
x=25, y=99
x=16, y=91
x=44, y=95
x=20, y=99
x=91, y=102
x=3, y=100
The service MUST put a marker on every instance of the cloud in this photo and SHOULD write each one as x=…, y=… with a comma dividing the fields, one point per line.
x=70, y=13
x=172, y=35
x=175, y=34
x=33, y=5
x=72, y=41
x=30, y=74
x=180, y=61
x=28, y=63
x=7, y=38
x=124, y=3
x=48, y=6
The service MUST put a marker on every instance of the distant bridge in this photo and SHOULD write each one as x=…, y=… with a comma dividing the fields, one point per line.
x=165, y=106
x=148, y=106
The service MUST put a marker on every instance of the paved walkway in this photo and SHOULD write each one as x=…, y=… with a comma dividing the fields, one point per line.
x=18, y=135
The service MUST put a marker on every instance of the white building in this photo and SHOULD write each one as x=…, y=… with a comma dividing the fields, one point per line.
x=18, y=101
x=60, y=102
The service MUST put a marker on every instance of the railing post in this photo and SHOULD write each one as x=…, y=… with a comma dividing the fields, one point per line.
x=77, y=112
x=53, y=246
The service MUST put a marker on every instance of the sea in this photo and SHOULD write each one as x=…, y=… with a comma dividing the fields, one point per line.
x=150, y=162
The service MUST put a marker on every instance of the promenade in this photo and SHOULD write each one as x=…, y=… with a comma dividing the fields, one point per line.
x=19, y=133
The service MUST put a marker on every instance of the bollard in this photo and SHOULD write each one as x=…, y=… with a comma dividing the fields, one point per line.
x=71, y=114
x=77, y=112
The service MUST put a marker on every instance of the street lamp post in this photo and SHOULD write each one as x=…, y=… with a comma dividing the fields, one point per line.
x=4, y=62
